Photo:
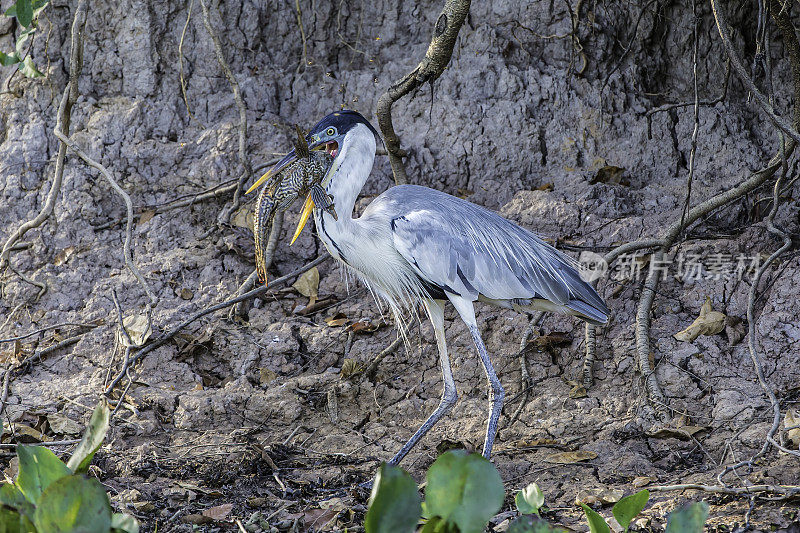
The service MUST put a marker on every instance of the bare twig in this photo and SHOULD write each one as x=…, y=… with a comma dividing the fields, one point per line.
x=695, y=131
x=269, y=253
x=160, y=341
x=126, y=249
x=739, y=68
x=784, y=491
x=588, y=362
x=46, y=443
x=48, y=328
x=430, y=68
x=180, y=63
x=525, y=377
x=369, y=372
x=62, y=123
x=304, y=59
x=226, y=213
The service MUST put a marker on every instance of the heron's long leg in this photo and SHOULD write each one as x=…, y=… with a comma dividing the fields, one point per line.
x=466, y=310
x=435, y=310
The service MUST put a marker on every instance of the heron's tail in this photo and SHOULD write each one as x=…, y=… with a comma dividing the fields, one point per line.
x=588, y=312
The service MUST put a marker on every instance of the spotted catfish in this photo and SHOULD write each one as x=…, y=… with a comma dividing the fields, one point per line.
x=301, y=178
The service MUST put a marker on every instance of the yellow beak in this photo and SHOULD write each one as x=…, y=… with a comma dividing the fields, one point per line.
x=259, y=181
x=308, y=207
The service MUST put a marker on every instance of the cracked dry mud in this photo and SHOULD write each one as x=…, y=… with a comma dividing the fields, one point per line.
x=243, y=413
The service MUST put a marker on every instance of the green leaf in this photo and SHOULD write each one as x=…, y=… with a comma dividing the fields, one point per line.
x=465, y=490
x=434, y=525
x=38, y=7
x=394, y=504
x=24, y=12
x=629, y=507
x=124, y=523
x=10, y=496
x=12, y=11
x=9, y=59
x=38, y=469
x=596, y=522
x=22, y=39
x=688, y=519
x=73, y=503
x=92, y=439
x=529, y=499
x=532, y=524
x=10, y=521
x=29, y=69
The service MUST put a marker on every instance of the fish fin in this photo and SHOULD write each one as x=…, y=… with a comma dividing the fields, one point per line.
x=300, y=144
x=323, y=200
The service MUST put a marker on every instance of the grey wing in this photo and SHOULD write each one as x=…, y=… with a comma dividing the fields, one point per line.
x=471, y=251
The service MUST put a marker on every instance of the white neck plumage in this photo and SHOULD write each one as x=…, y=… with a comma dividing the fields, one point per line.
x=351, y=168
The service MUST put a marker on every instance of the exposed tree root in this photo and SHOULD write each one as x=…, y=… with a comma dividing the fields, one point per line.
x=128, y=205
x=238, y=310
x=777, y=492
x=63, y=117
x=372, y=369
x=163, y=339
x=180, y=64
x=430, y=68
x=226, y=213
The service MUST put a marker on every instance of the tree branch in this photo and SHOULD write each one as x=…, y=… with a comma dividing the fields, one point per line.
x=430, y=68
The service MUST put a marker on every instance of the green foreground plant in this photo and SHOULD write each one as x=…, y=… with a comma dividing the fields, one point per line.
x=464, y=491
x=27, y=14
x=50, y=496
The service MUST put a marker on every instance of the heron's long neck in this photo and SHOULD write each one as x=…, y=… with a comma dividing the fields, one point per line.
x=357, y=154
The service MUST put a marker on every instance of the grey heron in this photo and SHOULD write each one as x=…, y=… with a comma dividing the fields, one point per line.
x=414, y=245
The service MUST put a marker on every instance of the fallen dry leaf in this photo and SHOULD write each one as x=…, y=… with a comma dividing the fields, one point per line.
x=244, y=217
x=553, y=338
x=138, y=329
x=641, y=481
x=545, y=187
x=609, y=174
x=567, y=458
x=668, y=432
x=62, y=425
x=599, y=496
x=146, y=216
x=219, y=512
x=339, y=319
x=350, y=367
x=186, y=294
x=64, y=255
x=362, y=327
x=308, y=285
x=265, y=375
x=792, y=419
x=708, y=323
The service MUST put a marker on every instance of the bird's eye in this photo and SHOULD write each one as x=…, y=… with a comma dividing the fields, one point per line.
x=330, y=132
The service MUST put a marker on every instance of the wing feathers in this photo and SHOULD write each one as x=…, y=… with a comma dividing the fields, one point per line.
x=454, y=243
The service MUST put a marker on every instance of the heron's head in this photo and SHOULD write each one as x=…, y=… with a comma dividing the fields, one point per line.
x=328, y=134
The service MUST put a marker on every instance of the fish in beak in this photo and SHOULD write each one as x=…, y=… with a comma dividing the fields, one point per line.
x=314, y=198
